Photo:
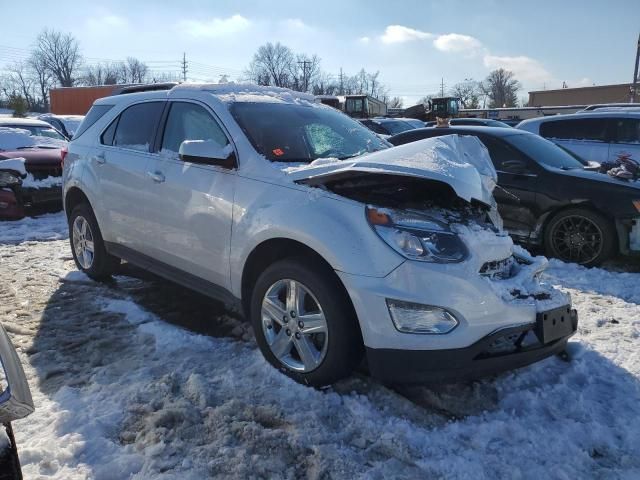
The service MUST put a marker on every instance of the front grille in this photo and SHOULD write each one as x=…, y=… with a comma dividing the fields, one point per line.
x=42, y=172
x=511, y=343
x=498, y=269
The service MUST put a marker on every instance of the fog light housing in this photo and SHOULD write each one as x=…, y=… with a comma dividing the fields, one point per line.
x=409, y=317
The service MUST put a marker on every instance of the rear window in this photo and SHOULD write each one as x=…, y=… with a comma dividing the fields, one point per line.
x=593, y=129
x=627, y=130
x=95, y=113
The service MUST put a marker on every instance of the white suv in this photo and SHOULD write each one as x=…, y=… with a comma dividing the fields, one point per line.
x=331, y=242
x=603, y=135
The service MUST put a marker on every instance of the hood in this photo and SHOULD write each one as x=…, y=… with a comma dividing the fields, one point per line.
x=34, y=157
x=462, y=162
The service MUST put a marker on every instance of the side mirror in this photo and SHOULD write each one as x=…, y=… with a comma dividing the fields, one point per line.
x=207, y=152
x=15, y=396
x=514, y=166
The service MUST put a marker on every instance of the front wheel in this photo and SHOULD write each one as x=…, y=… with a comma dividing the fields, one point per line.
x=304, y=322
x=87, y=246
x=581, y=236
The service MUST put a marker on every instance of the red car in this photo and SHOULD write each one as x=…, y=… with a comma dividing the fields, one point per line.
x=35, y=181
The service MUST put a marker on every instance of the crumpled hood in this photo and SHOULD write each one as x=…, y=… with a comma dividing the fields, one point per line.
x=462, y=162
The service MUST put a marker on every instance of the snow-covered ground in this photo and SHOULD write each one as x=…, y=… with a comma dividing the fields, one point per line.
x=124, y=390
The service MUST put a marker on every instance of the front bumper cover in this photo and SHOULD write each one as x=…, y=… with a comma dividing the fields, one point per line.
x=506, y=349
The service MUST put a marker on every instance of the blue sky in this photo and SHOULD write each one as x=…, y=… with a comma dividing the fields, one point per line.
x=413, y=43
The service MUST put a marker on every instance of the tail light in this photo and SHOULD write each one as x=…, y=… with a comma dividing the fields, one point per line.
x=63, y=155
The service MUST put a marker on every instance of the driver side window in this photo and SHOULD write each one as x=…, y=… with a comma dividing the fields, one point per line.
x=505, y=158
x=188, y=121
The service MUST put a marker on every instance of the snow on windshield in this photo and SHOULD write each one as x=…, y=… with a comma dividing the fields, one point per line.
x=14, y=138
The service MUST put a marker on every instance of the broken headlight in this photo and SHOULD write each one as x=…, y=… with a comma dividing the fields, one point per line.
x=9, y=179
x=416, y=237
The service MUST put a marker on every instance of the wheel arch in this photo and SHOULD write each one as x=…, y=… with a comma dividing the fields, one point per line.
x=272, y=250
x=586, y=205
x=73, y=197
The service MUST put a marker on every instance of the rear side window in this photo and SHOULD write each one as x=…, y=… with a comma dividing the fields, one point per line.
x=593, y=129
x=502, y=154
x=627, y=130
x=188, y=121
x=137, y=126
x=95, y=113
x=107, y=136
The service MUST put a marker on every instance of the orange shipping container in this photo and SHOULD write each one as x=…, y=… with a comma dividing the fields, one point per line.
x=78, y=100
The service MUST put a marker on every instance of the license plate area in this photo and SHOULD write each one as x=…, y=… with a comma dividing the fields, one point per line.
x=554, y=324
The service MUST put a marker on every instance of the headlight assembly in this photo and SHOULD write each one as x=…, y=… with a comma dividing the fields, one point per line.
x=9, y=179
x=417, y=238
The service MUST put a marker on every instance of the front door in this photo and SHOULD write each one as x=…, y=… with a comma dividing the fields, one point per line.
x=192, y=203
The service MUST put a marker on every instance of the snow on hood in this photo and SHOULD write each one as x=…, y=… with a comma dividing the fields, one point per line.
x=461, y=162
x=15, y=164
x=13, y=138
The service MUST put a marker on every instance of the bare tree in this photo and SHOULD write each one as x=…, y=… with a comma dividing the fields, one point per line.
x=272, y=65
x=60, y=53
x=501, y=88
x=18, y=82
x=468, y=92
x=395, y=102
x=133, y=71
x=41, y=76
x=304, y=71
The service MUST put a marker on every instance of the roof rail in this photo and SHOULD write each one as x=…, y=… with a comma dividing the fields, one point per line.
x=149, y=87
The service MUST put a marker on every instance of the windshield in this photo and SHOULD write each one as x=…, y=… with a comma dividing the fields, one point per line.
x=39, y=131
x=543, y=151
x=302, y=133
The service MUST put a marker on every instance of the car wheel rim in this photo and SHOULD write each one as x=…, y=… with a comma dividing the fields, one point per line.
x=294, y=326
x=83, y=242
x=577, y=239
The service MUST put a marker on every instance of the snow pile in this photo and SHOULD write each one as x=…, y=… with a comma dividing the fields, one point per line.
x=52, y=226
x=15, y=164
x=15, y=138
x=48, y=182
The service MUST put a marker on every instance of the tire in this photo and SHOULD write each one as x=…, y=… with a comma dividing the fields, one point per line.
x=100, y=265
x=581, y=236
x=335, y=353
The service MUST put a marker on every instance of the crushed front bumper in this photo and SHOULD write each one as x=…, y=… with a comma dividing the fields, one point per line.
x=505, y=349
x=16, y=203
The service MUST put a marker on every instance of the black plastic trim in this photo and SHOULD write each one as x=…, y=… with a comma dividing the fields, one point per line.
x=173, y=274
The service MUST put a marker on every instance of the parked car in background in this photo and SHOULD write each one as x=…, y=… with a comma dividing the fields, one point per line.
x=547, y=197
x=34, y=127
x=386, y=126
x=66, y=124
x=30, y=168
x=15, y=403
x=486, y=122
x=332, y=243
x=599, y=135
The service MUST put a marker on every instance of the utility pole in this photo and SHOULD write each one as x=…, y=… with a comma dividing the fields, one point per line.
x=305, y=79
x=341, y=91
x=184, y=67
x=634, y=86
x=442, y=87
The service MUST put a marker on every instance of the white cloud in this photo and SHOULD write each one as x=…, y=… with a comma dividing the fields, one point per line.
x=295, y=23
x=401, y=34
x=106, y=21
x=215, y=27
x=526, y=69
x=456, y=42
x=364, y=40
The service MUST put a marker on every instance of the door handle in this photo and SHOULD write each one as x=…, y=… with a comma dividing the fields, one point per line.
x=100, y=159
x=157, y=177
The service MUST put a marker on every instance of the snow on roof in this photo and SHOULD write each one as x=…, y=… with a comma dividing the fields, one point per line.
x=246, y=92
x=22, y=121
x=13, y=138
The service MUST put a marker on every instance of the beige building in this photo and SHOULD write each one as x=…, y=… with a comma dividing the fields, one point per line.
x=581, y=96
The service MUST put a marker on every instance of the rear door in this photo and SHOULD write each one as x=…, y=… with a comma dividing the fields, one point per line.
x=191, y=203
x=121, y=164
x=625, y=138
x=516, y=190
x=586, y=137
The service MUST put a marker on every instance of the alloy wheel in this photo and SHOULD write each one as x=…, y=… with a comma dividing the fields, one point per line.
x=577, y=239
x=83, y=242
x=294, y=325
